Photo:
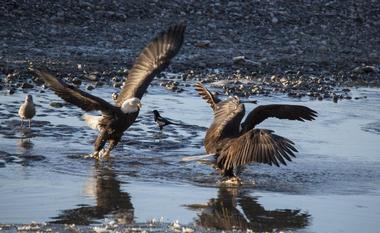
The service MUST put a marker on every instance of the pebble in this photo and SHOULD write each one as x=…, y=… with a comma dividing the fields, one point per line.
x=365, y=69
x=115, y=95
x=2, y=163
x=239, y=60
x=76, y=81
x=335, y=99
x=203, y=44
x=92, y=77
x=26, y=85
x=56, y=104
x=11, y=91
x=90, y=87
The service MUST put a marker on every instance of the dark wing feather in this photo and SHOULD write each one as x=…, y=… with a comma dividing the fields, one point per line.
x=227, y=118
x=207, y=95
x=74, y=95
x=281, y=111
x=152, y=60
x=257, y=145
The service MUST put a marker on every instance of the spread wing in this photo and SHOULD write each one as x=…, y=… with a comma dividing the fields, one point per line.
x=207, y=95
x=264, y=220
x=227, y=118
x=281, y=111
x=74, y=95
x=153, y=59
x=257, y=145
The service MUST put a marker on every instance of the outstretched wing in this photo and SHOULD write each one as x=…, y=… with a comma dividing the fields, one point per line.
x=152, y=60
x=207, y=95
x=281, y=111
x=74, y=95
x=257, y=145
x=227, y=118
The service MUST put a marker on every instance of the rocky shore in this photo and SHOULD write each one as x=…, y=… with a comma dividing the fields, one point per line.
x=316, y=49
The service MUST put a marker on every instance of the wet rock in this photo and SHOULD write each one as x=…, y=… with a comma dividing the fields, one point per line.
x=26, y=85
x=11, y=91
x=92, y=77
x=241, y=60
x=76, y=81
x=335, y=98
x=117, y=79
x=115, y=95
x=172, y=86
x=203, y=44
x=56, y=104
x=117, y=85
x=99, y=84
x=90, y=87
x=365, y=69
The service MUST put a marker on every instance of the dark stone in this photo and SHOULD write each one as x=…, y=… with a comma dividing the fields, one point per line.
x=76, y=81
x=56, y=104
x=90, y=88
x=26, y=85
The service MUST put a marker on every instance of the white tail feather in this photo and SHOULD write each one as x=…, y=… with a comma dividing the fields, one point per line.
x=92, y=121
x=196, y=157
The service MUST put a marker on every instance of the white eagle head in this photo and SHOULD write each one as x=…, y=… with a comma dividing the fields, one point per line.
x=131, y=105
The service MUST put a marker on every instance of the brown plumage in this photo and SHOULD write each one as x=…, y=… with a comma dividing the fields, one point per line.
x=116, y=119
x=27, y=110
x=207, y=95
x=234, y=147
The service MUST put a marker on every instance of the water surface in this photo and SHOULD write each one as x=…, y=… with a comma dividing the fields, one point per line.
x=332, y=185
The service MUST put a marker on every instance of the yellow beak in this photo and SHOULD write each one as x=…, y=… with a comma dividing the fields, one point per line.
x=139, y=105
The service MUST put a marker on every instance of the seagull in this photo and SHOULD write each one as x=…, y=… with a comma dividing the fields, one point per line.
x=27, y=110
x=115, y=119
x=161, y=121
x=234, y=144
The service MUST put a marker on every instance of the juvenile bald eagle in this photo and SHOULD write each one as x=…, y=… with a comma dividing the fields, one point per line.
x=116, y=119
x=235, y=144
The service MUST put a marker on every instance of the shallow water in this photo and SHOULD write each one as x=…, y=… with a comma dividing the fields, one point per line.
x=332, y=185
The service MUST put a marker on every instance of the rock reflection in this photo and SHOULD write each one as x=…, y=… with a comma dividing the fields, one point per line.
x=235, y=209
x=110, y=200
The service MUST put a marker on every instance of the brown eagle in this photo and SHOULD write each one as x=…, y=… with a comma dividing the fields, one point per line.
x=235, y=144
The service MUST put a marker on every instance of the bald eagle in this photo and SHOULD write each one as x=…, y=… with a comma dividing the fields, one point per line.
x=116, y=119
x=235, y=144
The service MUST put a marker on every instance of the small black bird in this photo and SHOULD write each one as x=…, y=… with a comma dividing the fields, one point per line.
x=161, y=121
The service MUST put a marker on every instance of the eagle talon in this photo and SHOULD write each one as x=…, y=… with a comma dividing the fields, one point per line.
x=94, y=155
x=104, y=153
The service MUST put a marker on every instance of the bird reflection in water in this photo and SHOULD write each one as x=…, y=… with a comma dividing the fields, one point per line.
x=233, y=210
x=24, y=144
x=110, y=200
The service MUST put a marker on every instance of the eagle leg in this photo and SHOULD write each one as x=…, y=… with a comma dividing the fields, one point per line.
x=111, y=144
x=100, y=142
